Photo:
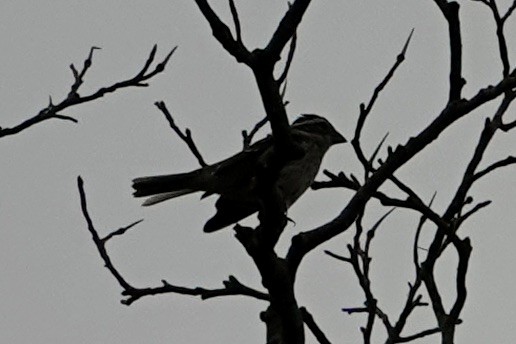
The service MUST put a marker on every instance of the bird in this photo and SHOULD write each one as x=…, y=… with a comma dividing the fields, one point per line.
x=236, y=178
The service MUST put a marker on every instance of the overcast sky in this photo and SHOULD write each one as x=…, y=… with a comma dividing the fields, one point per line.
x=54, y=288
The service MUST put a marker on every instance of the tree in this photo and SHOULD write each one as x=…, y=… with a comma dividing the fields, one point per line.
x=284, y=317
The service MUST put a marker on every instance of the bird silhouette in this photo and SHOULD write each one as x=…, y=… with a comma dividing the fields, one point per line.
x=236, y=179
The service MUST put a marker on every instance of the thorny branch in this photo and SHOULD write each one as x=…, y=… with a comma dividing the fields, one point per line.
x=74, y=98
x=306, y=241
x=365, y=110
x=231, y=286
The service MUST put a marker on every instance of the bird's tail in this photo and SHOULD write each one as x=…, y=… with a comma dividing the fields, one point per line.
x=162, y=188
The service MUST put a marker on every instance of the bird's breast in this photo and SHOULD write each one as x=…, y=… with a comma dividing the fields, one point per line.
x=297, y=175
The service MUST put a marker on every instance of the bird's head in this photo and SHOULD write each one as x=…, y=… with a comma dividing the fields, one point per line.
x=318, y=125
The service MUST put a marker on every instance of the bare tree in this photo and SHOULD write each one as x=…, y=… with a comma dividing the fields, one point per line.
x=285, y=320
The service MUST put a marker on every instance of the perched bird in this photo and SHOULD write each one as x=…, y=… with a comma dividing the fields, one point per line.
x=235, y=179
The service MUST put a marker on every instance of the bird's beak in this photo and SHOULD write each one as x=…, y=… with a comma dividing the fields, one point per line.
x=338, y=138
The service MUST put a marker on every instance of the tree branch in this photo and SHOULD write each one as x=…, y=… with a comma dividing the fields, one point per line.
x=502, y=163
x=101, y=243
x=186, y=137
x=502, y=43
x=304, y=242
x=365, y=110
x=223, y=34
x=73, y=97
x=464, y=250
x=360, y=261
x=231, y=287
x=488, y=132
x=316, y=330
x=509, y=11
x=248, y=137
x=236, y=21
x=476, y=208
x=450, y=10
x=418, y=335
x=120, y=231
x=286, y=29
x=290, y=57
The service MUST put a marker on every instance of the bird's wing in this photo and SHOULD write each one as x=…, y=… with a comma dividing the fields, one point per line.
x=239, y=170
x=229, y=211
x=245, y=157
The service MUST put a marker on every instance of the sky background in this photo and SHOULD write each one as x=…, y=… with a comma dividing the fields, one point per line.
x=54, y=288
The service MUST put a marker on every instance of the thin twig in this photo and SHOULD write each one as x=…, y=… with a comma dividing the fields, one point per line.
x=418, y=335
x=186, y=136
x=236, y=21
x=353, y=310
x=509, y=11
x=337, y=256
x=502, y=163
x=508, y=126
x=472, y=211
x=375, y=153
x=371, y=232
x=290, y=57
x=79, y=76
x=248, y=137
x=120, y=231
x=500, y=21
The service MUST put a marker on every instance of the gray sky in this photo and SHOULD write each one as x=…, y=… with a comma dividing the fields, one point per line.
x=53, y=287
